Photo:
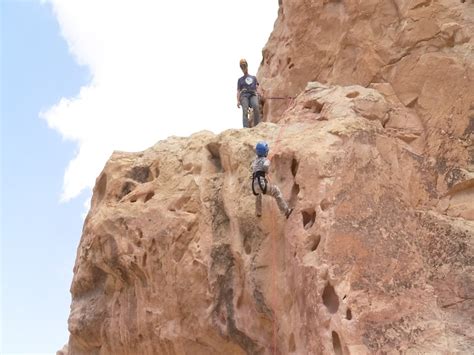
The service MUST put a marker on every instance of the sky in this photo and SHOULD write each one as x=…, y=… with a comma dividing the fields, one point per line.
x=80, y=79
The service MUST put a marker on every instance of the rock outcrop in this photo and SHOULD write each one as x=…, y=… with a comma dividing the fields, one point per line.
x=422, y=50
x=377, y=160
x=173, y=260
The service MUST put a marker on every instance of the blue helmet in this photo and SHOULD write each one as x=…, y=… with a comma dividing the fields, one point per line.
x=262, y=149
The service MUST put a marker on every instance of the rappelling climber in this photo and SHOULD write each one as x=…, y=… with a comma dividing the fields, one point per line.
x=261, y=183
x=247, y=95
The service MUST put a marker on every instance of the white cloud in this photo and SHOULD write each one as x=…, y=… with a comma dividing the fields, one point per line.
x=159, y=68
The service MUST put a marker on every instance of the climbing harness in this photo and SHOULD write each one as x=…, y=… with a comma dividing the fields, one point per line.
x=261, y=180
x=248, y=91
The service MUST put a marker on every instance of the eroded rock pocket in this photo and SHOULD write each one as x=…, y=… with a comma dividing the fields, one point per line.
x=127, y=187
x=140, y=174
x=325, y=204
x=330, y=299
x=294, y=166
x=352, y=94
x=214, y=150
x=348, y=314
x=314, y=106
x=149, y=196
x=309, y=217
x=336, y=343
x=313, y=242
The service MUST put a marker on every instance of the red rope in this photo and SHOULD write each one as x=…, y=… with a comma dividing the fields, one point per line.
x=279, y=98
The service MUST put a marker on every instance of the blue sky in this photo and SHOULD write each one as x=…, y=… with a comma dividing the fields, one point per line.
x=39, y=234
x=167, y=72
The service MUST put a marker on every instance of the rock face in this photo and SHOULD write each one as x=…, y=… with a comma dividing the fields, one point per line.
x=173, y=259
x=378, y=255
x=422, y=50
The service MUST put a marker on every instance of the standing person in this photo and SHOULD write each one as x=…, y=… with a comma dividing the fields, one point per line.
x=260, y=183
x=247, y=90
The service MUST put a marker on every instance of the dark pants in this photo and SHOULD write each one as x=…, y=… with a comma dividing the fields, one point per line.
x=251, y=101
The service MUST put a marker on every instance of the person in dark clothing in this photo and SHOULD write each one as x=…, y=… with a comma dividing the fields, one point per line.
x=247, y=94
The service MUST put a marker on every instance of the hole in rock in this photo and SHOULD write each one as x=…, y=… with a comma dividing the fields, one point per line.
x=314, y=105
x=188, y=166
x=133, y=200
x=336, y=343
x=140, y=174
x=144, y=259
x=412, y=103
x=348, y=314
x=352, y=94
x=149, y=196
x=247, y=247
x=157, y=172
x=214, y=148
x=314, y=242
x=291, y=343
x=291, y=66
x=325, y=204
x=330, y=299
x=126, y=189
x=309, y=216
x=294, y=167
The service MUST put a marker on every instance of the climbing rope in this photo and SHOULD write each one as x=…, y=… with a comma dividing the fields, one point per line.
x=280, y=98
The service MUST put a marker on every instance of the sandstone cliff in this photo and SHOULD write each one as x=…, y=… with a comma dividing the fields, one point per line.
x=377, y=158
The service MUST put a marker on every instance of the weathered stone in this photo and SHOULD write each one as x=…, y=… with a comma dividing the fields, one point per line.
x=373, y=149
x=363, y=264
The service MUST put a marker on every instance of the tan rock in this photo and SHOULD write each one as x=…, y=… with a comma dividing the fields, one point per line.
x=63, y=351
x=423, y=49
x=373, y=149
x=172, y=259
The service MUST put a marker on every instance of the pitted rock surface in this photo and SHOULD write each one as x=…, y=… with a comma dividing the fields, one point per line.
x=173, y=260
x=371, y=142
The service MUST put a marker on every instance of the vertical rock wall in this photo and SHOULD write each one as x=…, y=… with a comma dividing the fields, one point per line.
x=173, y=259
x=423, y=50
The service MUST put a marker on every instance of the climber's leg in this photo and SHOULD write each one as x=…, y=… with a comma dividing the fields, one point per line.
x=276, y=193
x=256, y=109
x=244, y=101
